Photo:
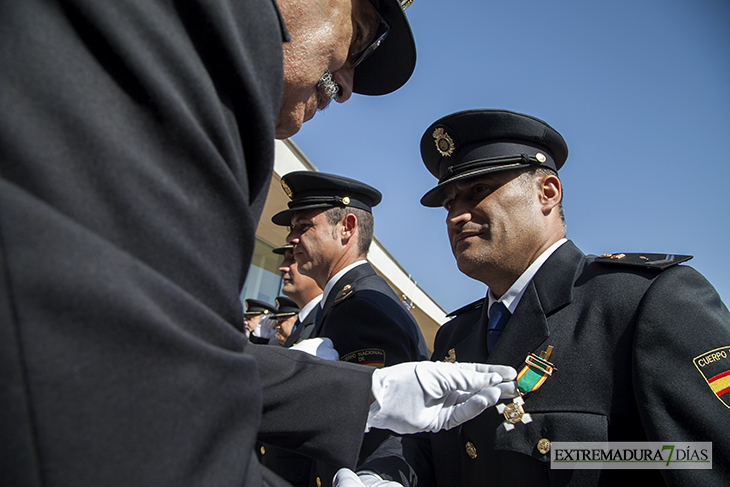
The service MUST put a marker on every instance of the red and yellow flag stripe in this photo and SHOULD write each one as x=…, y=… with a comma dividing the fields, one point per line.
x=720, y=383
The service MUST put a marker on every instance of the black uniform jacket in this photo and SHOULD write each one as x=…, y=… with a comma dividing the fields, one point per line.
x=367, y=323
x=136, y=150
x=625, y=339
x=292, y=467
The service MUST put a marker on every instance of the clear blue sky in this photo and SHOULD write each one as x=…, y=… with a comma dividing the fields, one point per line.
x=639, y=89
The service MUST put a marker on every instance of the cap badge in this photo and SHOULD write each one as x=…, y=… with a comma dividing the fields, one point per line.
x=540, y=157
x=287, y=189
x=444, y=143
x=404, y=4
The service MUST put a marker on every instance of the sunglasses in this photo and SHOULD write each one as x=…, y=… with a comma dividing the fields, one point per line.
x=380, y=35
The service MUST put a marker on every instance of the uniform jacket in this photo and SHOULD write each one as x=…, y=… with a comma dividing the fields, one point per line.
x=136, y=151
x=367, y=323
x=292, y=467
x=625, y=341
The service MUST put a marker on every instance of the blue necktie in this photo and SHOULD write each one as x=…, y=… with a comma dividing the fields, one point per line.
x=319, y=313
x=498, y=316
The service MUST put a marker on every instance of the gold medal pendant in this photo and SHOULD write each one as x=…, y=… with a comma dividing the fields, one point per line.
x=514, y=413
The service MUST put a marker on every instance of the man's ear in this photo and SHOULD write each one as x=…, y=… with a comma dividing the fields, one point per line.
x=550, y=192
x=349, y=226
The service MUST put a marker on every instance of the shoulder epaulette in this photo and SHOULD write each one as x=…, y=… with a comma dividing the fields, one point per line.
x=347, y=291
x=647, y=261
x=469, y=307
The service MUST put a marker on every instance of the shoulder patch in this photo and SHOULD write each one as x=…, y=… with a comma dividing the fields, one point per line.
x=647, y=261
x=469, y=307
x=714, y=366
x=374, y=357
x=345, y=293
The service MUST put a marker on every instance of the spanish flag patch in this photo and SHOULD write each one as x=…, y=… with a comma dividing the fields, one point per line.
x=373, y=357
x=715, y=368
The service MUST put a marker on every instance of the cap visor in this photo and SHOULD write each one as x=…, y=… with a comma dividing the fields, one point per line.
x=392, y=63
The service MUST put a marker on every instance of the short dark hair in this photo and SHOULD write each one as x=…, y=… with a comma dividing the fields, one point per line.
x=365, y=224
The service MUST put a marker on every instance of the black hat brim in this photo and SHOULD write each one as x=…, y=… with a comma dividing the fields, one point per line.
x=283, y=218
x=434, y=197
x=391, y=65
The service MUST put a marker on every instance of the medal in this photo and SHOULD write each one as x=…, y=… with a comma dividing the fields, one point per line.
x=532, y=376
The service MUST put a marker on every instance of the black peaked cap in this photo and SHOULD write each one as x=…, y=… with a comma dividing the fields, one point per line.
x=286, y=307
x=470, y=143
x=256, y=307
x=392, y=63
x=310, y=189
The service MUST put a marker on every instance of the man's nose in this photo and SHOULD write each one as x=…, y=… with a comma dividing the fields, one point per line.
x=457, y=215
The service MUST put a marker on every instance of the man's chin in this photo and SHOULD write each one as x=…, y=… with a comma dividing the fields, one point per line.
x=286, y=132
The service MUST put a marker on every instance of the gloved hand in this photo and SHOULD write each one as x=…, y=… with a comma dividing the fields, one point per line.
x=430, y=396
x=265, y=328
x=319, y=347
x=347, y=478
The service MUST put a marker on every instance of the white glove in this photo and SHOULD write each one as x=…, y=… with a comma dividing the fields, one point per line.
x=430, y=396
x=265, y=328
x=347, y=478
x=319, y=347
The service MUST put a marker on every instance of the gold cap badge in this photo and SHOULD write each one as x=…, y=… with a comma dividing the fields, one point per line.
x=444, y=143
x=287, y=189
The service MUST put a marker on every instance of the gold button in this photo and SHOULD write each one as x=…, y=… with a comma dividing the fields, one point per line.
x=543, y=446
x=262, y=450
x=471, y=450
x=319, y=482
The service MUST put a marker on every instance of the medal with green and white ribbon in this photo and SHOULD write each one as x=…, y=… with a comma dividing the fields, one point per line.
x=532, y=376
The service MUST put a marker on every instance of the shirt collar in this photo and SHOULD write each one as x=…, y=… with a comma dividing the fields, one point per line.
x=309, y=307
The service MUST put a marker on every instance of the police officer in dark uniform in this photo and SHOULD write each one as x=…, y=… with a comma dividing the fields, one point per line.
x=619, y=347
x=136, y=149
x=286, y=315
x=331, y=232
x=255, y=311
x=303, y=290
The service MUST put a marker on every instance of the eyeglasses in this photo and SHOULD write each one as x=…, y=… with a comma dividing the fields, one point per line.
x=380, y=34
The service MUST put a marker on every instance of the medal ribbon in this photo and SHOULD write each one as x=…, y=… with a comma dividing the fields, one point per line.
x=533, y=374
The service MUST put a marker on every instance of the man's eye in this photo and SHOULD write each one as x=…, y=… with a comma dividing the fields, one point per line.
x=480, y=189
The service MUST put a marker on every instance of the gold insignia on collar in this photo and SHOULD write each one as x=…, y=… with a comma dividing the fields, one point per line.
x=345, y=293
x=451, y=357
x=444, y=143
x=287, y=189
x=540, y=157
